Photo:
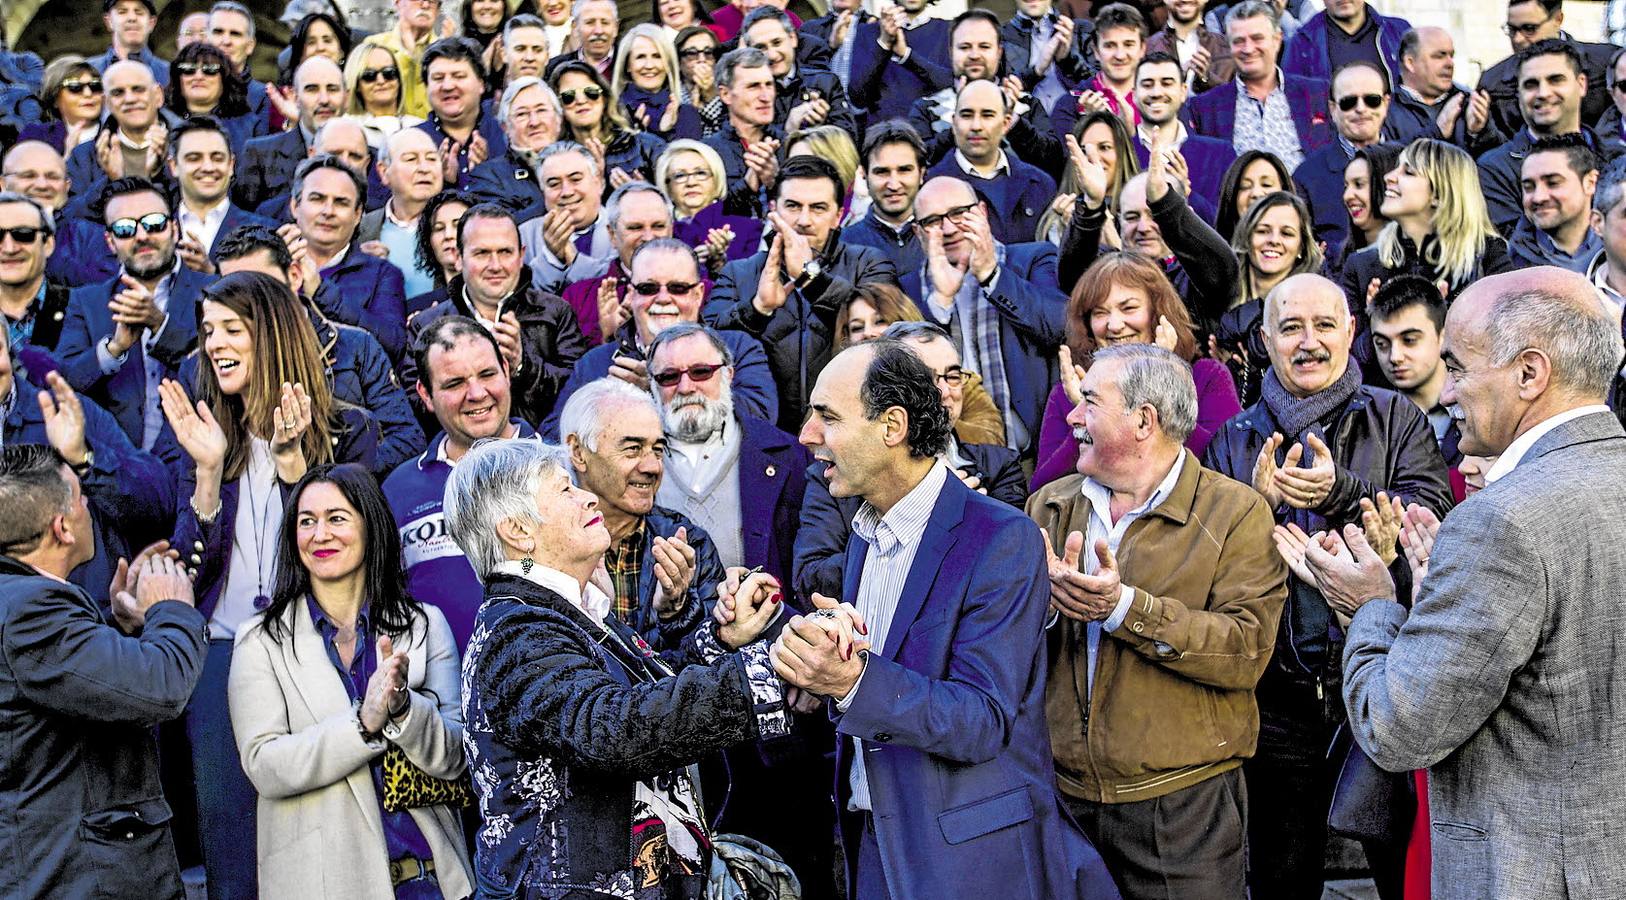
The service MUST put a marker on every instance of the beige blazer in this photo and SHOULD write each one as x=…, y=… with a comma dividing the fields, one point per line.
x=319, y=832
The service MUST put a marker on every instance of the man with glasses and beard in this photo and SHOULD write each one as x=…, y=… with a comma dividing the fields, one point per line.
x=123, y=336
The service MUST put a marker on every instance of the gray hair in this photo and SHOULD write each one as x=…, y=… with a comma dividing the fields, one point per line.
x=560, y=148
x=326, y=161
x=523, y=20
x=612, y=206
x=47, y=221
x=739, y=58
x=577, y=7
x=665, y=245
x=585, y=412
x=386, y=149
x=681, y=330
x=520, y=84
x=498, y=479
x=1253, y=9
x=1152, y=376
x=240, y=9
x=1611, y=188
x=919, y=332
x=1582, y=340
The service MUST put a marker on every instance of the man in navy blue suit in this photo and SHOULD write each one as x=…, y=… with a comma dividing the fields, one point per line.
x=460, y=123
x=1160, y=94
x=1359, y=109
x=900, y=56
x=201, y=160
x=1016, y=193
x=999, y=302
x=367, y=291
x=944, y=783
x=121, y=337
x=268, y=162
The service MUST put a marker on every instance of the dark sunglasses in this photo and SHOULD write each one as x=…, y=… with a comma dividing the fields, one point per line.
x=592, y=92
x=1372, y=101
x=151, y=223
x=24, y=235
x=695, y=373
x=674, y=288
x=388, y=73
x=697, y=52
x=192, y=68
x=93, y=86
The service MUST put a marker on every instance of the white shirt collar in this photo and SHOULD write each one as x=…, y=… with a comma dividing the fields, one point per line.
x=590, y=600
x=1514, y=454
x=1100, y=496
x=389, y=213
x=1003, y=167
x=337, y=257
x=1147, y=133
x=212, y=214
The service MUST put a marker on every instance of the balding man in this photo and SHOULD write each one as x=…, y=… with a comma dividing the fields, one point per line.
x=1319, y=446
x=1503, y=678
x=135, y=148
x=1430, y=103
x=999, y=301
x=409, y=165
x=343, y=138
x=1016, y=193
x=268, y=162
x=35, y=170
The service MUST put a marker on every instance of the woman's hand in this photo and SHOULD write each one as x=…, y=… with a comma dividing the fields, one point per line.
x=749, y=609
x=290, y=420
x=195, y=427
x=1072, y=375
x=1166, y=337
x=386, y=696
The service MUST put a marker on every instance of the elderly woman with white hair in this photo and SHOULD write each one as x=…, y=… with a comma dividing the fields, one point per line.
x=579, y=738
x=531, y=118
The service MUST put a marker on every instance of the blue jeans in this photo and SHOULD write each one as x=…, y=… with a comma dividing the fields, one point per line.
x=225, y=797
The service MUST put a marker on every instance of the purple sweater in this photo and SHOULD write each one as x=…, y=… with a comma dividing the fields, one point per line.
x=1216, y=403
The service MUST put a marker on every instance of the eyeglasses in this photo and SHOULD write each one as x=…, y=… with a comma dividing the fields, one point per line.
x=151, y=223
x=957, y=214
x=698, y=52
x=24, y=235
x=672, y=288
x=953, y=377
x=696, y=175
x=592, y=92
x=94, y=86
x=696, y=373
x=388, y=73
x=192, y=68
x=1527, y=30
x=1621, y=86
x=1372, y=101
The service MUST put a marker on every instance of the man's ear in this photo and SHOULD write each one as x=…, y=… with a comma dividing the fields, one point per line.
x=578, y=452
x=1535, y=373
x=895, y=422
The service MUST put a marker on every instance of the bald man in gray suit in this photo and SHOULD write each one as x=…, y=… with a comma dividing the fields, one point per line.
x=1507, y=678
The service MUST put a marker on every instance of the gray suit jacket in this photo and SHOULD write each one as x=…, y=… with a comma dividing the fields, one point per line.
x=1508, y=679
x=372, y=225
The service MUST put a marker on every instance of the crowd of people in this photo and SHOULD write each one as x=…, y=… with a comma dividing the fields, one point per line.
x=515, y=451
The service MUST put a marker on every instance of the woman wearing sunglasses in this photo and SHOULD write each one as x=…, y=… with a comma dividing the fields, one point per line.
x=72, y=97
x=374, y=82
x=202, y=82
x=598, y=124
x=648, y=87
x=342, y=686
x=698, y=51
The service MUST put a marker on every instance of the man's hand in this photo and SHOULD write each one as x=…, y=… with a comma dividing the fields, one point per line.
x=128, y=614
x=283, y=99
x=798, y=250
x=375, y=248
x=479, y=151
x=807, y=114
x=559, y=235
x=135, y=310
x=507, y=334
x=630, y=369
x=1351, y=576
x=771, y=293
x=1450, y=112
x=1157, y=168
x=1092, y=101
x=762, y=163
x=1072, y=375
x=984, y=259
x=1307, y=488
x=1381, y=521
x=64, y=420
x=844, y=24
x=1264, y=469
x=1058, y=48
x=1085, y=598
x=194, y=255
x=1417, y=534
x=751, y=608
x=448, y=160
x=1201, y=59
x=1479, y=110
x=894, y=36
x=818, y=653
x=945, y=276
x=109, y=156
x=161, y=578
x=620, y=176
x=613, y=312
x=305, y=271
x=970, y=480
x=674, y=569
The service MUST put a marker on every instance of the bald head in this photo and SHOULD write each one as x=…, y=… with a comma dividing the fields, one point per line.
x=942, y=193
x=133, y=97
x=1308, y=286
x=1428, y=61
x=34, y=169
x=318, y=91
x=981, y=118
x=345, y=139
x=1308, y=332
x=1546, y=309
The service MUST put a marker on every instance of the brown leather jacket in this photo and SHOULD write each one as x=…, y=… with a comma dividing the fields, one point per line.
x=1173, y=703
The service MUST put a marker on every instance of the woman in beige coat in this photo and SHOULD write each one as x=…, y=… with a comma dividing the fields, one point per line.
x=339, y=667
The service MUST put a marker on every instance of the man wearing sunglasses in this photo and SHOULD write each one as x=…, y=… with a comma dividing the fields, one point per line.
x=130, y=24
x=1529, y=22
x=1345, y=32
x=123, y=336
x=1359, y=109
x=35, y=170
x=666, y=287
x=636, y=213
x=34, y=308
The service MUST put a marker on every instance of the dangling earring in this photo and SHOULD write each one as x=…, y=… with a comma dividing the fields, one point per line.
x=525, y=566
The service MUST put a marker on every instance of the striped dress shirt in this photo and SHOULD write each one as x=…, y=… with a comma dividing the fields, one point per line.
x=893, y=540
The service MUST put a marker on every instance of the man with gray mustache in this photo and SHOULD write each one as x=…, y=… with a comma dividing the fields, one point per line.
x=1319, y=446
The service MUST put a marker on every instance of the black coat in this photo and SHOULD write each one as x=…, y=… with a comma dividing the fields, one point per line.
x=821, y=542
x=85, y=814
x=738, y=198
x=789, y=96
x=1502, y=82
x=266, y=167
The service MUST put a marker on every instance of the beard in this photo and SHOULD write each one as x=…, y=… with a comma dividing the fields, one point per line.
x=166, y=261
x=695, y=418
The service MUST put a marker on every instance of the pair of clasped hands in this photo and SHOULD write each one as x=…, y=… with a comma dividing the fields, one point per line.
x=817, y=655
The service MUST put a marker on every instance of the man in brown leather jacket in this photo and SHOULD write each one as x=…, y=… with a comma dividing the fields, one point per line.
x=1162, y=632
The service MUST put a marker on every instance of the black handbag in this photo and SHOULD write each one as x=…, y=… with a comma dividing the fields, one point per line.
x=1368, y=803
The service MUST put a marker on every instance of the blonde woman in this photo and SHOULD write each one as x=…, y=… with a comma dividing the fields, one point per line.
x=1438, y=226
x=691, y=175
x=373, y=81
x=649, y=86
x=833, y=143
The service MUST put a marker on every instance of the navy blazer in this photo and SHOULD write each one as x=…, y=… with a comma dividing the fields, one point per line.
x=1213, y=112
x=773, y=480
x=123, y=392
x=1206, y=160
x=1016, y=44
x=81, y=256
x=369, y=293
x=739, y=199
x=1306, y=53
x=1320, y=181
x=1015, y=206
x=1032, y=325
x=950, y=712
x=237, y=217
x=887, y=88
x=508, y=180
x=266, y=166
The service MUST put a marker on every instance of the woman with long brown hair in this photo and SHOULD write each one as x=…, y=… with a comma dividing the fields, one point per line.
x=1124, y=298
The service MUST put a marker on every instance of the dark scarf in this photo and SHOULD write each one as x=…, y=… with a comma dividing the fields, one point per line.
x=1296, y=415
x=653, y=102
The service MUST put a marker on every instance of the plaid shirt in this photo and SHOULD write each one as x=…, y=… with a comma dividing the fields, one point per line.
x=625, y=562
